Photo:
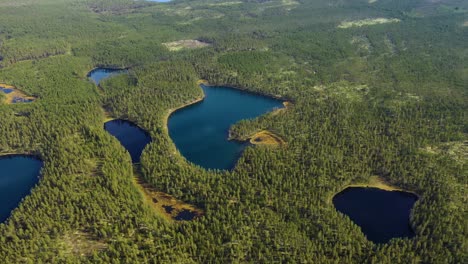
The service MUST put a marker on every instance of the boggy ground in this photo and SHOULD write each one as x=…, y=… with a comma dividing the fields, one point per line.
x=16, y=95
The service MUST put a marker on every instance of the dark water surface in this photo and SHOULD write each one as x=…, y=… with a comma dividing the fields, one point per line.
x=6, y=90
x=21, y=100
x=99, y=74
x=132, y=137
x=185, y=215
x=382, y=215
x=18, y=175
x=200, y=131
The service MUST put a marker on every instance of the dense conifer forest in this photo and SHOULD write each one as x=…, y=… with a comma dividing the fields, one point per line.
x=377, y=88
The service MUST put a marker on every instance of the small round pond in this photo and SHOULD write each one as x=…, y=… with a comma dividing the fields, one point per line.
x=18, y=175
x=6, y=90
x=381, y=215
x=99, y=74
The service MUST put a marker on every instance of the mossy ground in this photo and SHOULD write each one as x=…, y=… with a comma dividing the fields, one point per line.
x=267, y=138
x=16, y=93
x=159, y=200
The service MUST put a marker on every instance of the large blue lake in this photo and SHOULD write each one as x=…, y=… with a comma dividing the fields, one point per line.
x=132, y=137
x=200, y=131
x=18, y=175
x=382, y=215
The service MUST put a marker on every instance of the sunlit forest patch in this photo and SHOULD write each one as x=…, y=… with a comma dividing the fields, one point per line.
x=186, y=44
x=226, y=3
x=456, y=150
x=380, y=99
x=367, y=22
x=344, y=89
x=81, y=244
x=362, y=43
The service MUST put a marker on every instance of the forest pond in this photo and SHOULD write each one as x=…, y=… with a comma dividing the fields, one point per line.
x=18, y=175
x=200, y=131
x=382, y=215
x=132, y=137
x=14, y=96
x=99, y=74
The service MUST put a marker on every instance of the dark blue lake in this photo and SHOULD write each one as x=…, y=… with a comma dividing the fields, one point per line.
x=99, y=74
x=132, y=137
x=200, y=131
x=382, y=215
x=18, y=175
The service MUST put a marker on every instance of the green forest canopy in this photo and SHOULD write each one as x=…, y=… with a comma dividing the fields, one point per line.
x=372, y=99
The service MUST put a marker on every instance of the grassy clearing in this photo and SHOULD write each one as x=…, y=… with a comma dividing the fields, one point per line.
x=367, y=22
x=390, y=43
x=15, y=94
x=344, y=89
x=185, y=44
x=457, y=150
x=159, y=201
x=107, y=116
x=226, y=3
x=267, y=138
x=362, y=43
x=80, y=243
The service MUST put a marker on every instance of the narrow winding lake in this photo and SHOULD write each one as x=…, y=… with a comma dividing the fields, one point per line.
x=132, y=137
x=200, y=131
x=99, y=74
x=18, y=175
x=382, y=215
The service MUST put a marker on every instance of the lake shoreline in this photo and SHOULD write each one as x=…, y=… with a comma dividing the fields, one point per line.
x=382, y=213
x=34, y=155
x=170, y=111
x=377, y=183
x=245, y=89
x=203, y=84
x=19, y=174
x=286, y=102
x=112, y=68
